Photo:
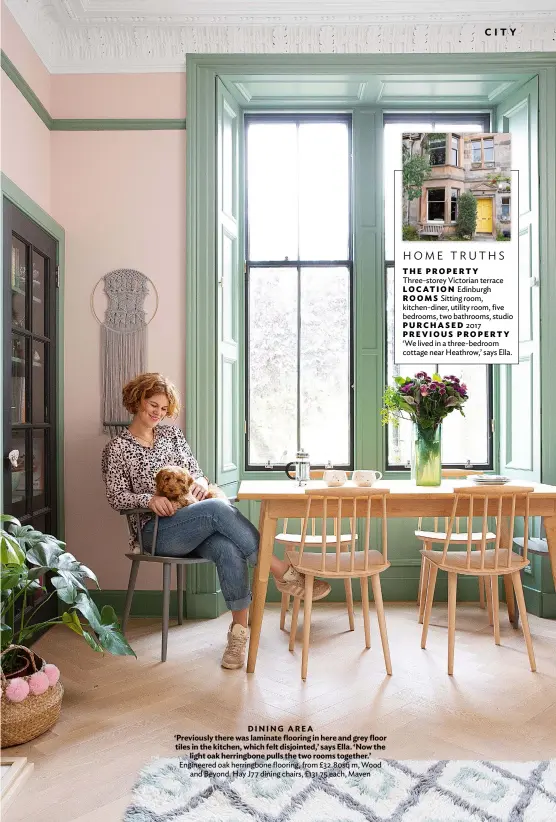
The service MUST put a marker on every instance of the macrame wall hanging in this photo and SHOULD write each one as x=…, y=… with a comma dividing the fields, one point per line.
x=123, y=338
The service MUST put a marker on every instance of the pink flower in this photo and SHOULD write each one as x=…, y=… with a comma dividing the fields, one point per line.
x=17, y=689
x=53, y=673
x=38, y=683
x=424, y=390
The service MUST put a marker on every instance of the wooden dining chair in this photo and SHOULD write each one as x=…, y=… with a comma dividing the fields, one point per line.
x=438, y=535
x=479, y=560
x=337, y=503
x=292, y=540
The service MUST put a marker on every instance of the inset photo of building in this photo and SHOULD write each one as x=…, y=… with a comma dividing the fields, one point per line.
x=456, y=186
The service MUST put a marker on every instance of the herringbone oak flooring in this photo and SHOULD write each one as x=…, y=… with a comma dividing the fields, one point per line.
x=118, y=713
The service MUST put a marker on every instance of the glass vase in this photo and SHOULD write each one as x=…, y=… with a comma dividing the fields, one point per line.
x=426, y=457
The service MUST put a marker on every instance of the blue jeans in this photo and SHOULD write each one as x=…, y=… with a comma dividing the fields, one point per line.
x=215, y=530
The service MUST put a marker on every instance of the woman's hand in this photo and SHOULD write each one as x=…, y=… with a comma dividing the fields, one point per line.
x=161, y=506
x=199, y=491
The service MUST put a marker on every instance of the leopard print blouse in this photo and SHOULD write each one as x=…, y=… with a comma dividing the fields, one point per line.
x=129, y=468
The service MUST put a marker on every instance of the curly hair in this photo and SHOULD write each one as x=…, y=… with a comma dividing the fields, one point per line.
x=148, y=385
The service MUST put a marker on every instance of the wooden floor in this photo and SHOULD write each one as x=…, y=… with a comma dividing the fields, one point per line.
x=118, y=713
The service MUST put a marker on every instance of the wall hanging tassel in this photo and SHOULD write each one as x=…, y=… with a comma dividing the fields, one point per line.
x=123, y=342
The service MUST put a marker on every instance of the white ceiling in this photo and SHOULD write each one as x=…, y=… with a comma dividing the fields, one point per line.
x=155, y=35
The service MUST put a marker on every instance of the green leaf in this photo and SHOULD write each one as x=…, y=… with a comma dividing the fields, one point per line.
x=89, y=574
x=89, y=610
x=90, y=640
x=6, y=634
x=65, y=588
x=9, y=518
x=45, y=553
x=73, y=623
x=67, y=562
x=400, y=380
x=110, y=636
x=436, y=378
x=11, y=553
x=12, y=576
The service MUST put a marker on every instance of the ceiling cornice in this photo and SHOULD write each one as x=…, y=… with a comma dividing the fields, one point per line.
x=84, y=36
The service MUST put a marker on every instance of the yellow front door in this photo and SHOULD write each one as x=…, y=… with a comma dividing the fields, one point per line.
x=484, y=215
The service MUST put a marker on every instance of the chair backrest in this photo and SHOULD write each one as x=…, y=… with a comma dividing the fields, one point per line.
x=346, y=503
x=133, y=516
x=315, y=474
x=494, y=500
x=451, y=473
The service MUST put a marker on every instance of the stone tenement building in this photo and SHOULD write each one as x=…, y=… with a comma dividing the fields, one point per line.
x=478, y=163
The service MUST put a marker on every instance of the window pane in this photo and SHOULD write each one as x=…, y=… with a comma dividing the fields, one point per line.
x=455, y=150
x=272, y=365
x=392, y=161
x=466, y=438
x=454, y=204
x=325, y=364
x=463, y=438
x=272, y=182
x=436, y=204
x=323, y=191
x=476, y=151
x=437, y=149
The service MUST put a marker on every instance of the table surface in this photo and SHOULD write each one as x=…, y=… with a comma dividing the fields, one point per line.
x=288, y=489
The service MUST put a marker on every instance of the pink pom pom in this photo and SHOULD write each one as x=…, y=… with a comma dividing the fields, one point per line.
x=53, y=673
x=38, y=683
x=17, y=689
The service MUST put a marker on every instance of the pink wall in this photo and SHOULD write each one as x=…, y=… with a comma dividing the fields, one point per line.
x=121, y=199
x=118, y=95
x=120, y=196
x=25, y=140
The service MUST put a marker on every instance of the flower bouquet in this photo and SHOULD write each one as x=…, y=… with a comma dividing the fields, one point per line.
x=426, y=401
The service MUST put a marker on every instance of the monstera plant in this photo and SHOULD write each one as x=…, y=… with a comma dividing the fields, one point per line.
x=28, y=558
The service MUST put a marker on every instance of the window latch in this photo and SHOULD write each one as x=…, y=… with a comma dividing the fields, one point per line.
x=268, y=465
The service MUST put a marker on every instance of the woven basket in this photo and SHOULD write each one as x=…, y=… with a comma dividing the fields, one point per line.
x=23, y=721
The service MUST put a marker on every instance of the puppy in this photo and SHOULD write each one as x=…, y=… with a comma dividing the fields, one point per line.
x=175, y=483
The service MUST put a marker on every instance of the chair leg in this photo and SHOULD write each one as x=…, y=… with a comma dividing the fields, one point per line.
x=421, y=583
x=293, y=626
x=179, y=575
x=432, y=572
x=488, y=589
x=425, y=570
x=496, y=610
x=365, y=603
x=307, y=623
x=130, y=590
x=482, y=603
x=284, y=609
x=166, y=580
x=379, y=605
x=518, y=588
x=349, y=601
x=250, y=613
x=452, y=592
x=510, y=599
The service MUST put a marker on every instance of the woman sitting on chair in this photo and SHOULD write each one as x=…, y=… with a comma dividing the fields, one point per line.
x=211, y=528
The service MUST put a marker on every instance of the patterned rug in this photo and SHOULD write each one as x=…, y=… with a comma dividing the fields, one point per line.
x=174, y=790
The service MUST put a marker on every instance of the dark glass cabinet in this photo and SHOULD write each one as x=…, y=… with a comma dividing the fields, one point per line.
x=29, y=371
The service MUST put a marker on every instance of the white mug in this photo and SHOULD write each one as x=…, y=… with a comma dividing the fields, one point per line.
x=334, y=478
x=366, y=478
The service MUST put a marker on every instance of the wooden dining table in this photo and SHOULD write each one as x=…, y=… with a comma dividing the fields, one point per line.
x=284, y=498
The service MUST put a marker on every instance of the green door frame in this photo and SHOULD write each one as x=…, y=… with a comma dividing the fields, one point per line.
x=202, y=71
x=29, y=207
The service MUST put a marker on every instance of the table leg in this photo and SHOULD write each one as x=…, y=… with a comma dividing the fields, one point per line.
x=550, y=529
x=267, y=530
x=511, y=602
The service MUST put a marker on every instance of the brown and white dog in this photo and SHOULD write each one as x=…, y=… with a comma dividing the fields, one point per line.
x=175, y=483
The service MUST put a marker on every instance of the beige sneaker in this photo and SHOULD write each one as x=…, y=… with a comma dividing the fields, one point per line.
x=293, y=583
x=234, y=653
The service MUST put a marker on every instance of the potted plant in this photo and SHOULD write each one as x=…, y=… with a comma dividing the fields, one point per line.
x=31, y=691
x=426, y=401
